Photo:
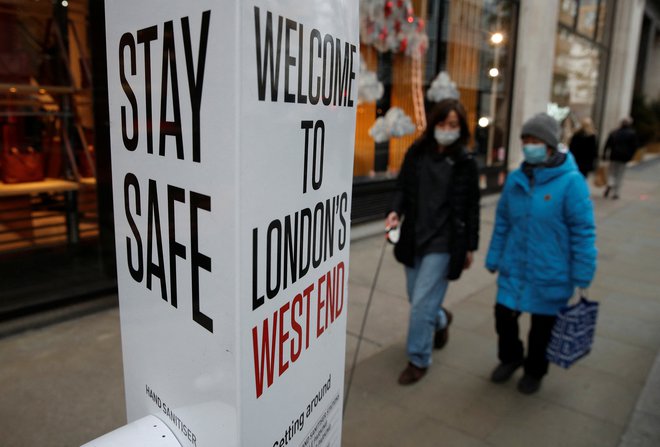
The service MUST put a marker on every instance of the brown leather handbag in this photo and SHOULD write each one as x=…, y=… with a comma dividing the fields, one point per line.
x=19, y=166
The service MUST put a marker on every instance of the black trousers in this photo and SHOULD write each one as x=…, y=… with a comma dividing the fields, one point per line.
x=510, y=347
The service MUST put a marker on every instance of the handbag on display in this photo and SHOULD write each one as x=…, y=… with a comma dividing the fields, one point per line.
x=22, y=166
x=573, y=332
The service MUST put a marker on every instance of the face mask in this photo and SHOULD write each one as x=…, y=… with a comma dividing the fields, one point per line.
x=535, y=153
x=446, y=137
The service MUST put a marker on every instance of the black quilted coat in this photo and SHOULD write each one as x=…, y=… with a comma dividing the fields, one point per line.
x=464, y=205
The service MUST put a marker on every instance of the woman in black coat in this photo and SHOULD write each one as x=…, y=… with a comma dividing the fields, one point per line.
x=584, y=146
x=437, y=205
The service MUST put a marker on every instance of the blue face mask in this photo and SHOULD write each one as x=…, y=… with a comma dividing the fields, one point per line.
x=535, y=153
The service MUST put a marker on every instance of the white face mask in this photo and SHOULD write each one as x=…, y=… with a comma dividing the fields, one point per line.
x=446, y=137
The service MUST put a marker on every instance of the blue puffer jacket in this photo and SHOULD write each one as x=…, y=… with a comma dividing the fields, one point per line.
x=543, y=243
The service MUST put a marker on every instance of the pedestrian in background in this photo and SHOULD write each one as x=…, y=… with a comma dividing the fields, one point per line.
x=584, y=146
x=543, y=246
x=620, y=148
x=437, y=204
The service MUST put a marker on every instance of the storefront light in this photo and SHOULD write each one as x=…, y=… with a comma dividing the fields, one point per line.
x=497, y=38
x=483, y=122
x=493, y=72
x=12, y=89
x=65, y=3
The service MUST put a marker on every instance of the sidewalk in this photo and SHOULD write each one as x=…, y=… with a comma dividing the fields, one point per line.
x=52, y=379
x=606, y=399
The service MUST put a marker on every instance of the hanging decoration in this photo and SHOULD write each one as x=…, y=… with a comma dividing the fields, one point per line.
x=418, y=93
x=370, y=89
x=557, y=112
x=390, y=25
x=441, y=88
x=395, y=123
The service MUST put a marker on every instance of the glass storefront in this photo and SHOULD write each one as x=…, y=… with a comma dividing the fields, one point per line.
x=404, y=47
x=49, y=213
x=580, y=61
x=56, y=223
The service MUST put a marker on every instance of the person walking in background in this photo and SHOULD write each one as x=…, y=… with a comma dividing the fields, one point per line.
x=584, y=146
x=620, y=148
x=437, y=204
x=543, y=246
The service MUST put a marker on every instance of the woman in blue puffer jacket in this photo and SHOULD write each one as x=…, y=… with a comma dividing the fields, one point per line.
x=543, y=246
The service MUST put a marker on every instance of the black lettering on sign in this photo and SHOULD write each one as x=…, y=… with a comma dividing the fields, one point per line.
x=198, y=260
x=174, y=194
x=153, y=219
x=256, y=300
x=274, y=227
x=317, y=154
x=290, y=61
x=131, y=181
x=171, y=128
x=267, y=56
x=154, y=257
x=314, y=36
x=128, y=42
x=169, y=91
x=327, y=54
x=146, y=36
x=196, y=81
x=334, y=83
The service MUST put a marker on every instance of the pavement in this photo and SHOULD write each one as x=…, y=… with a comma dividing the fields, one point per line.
x=57, y=368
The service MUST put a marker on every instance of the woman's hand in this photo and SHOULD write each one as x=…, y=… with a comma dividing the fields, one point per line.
x=469, y=257
x=391, y=221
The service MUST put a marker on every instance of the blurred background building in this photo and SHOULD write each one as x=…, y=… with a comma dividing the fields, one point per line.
x=506, y=60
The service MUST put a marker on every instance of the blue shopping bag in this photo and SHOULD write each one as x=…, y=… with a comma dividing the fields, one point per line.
x=573, y=333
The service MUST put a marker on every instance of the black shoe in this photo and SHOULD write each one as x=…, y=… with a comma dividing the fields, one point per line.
x=442, y=335
x=607, y=192
x=615, y=197
x=528, y=384
x=504, y=371
x=411, y=374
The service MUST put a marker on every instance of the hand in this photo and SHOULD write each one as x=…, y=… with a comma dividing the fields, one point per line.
x=392, y=221
x=469, y=257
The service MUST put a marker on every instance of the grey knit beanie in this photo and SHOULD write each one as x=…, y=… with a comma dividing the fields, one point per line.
x=544, y=127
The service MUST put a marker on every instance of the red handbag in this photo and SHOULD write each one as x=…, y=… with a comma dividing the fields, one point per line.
x=22, y=166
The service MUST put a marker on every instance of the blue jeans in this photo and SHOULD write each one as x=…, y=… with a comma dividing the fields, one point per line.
x=427, y=284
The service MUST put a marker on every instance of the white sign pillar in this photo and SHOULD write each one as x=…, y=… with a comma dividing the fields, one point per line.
x=232, y=135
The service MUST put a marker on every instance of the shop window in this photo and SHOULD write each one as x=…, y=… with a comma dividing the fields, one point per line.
x=575, y=79
x=47, y=171
x=587, y=17
x=601, y=21
x=471, y=42
x=48, y=200
x=568, y=11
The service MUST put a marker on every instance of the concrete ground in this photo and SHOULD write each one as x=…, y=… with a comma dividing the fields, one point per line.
x=53, y=376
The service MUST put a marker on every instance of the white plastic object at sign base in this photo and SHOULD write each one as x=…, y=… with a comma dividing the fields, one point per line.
x=148, y=431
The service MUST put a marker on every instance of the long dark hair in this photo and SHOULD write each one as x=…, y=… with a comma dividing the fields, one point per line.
x=439, y=113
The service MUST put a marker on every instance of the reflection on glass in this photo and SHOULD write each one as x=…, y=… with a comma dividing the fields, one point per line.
x=575, y=74
x=602, y=20
x=587, y=17
x=567, y=12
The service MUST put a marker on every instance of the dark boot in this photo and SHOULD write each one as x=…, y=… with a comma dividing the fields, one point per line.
x=442, y=335
x=529, y=384
x=504, y=371
x=411, y=374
